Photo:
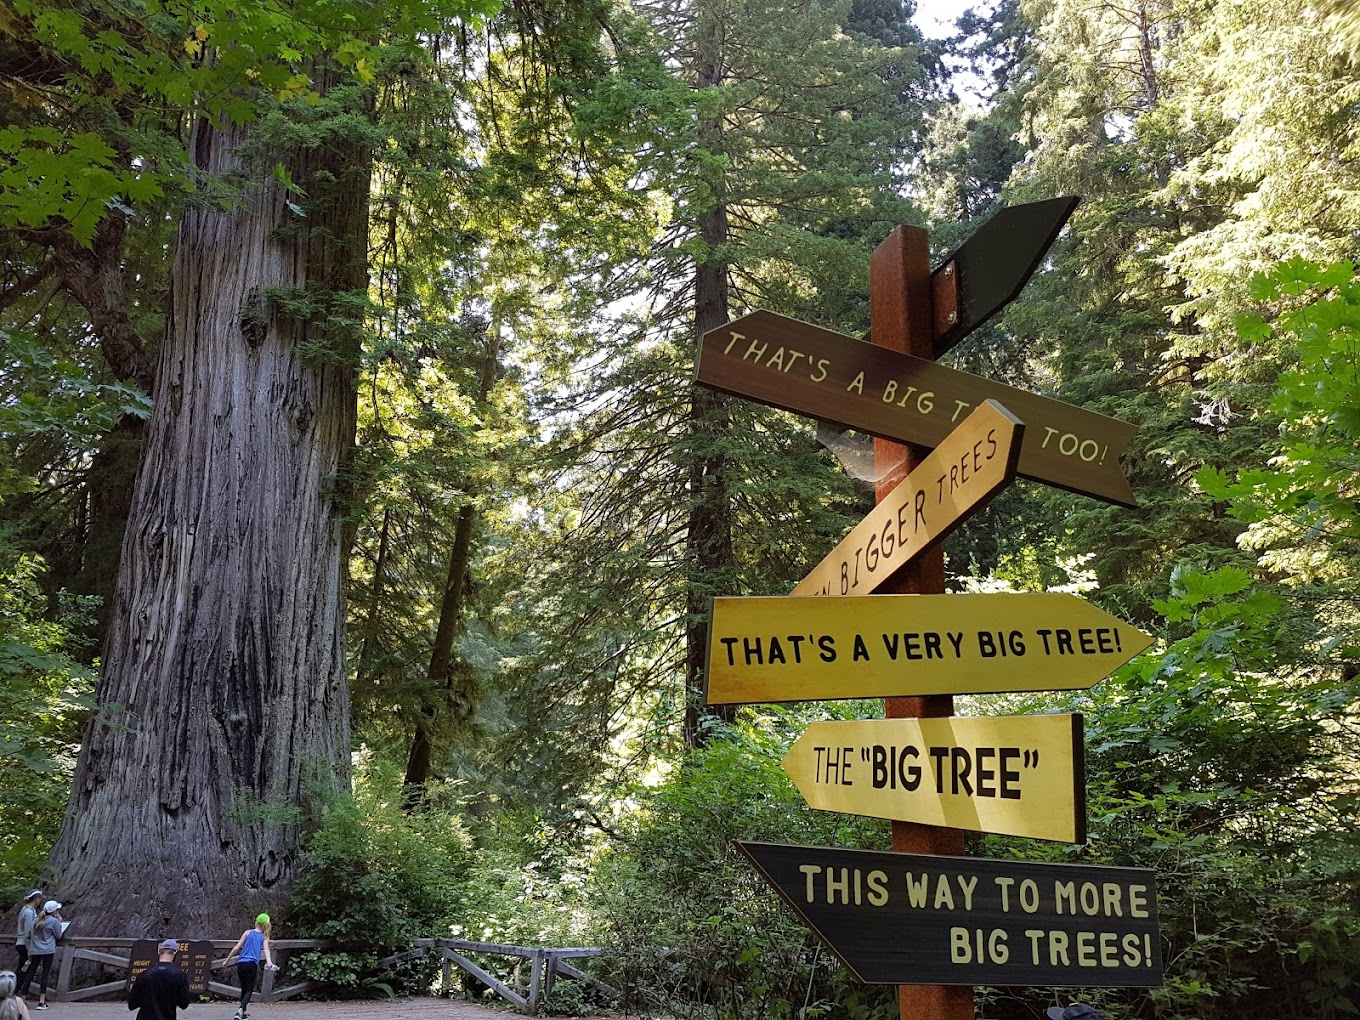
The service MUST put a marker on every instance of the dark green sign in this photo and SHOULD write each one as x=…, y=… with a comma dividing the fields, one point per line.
x=912, y=919
x=994, y=264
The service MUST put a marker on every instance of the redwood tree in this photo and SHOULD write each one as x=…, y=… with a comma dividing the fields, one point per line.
x=223, y=706
x=224, y=698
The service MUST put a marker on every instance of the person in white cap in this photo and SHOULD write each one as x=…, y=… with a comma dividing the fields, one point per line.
x=28, y=917
x=42, y=947
x=160, y=989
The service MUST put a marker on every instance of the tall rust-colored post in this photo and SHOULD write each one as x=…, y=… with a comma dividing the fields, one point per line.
x=901, y=315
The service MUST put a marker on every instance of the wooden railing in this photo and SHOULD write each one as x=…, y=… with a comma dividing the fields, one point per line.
x=117, y=953
x=545, y=967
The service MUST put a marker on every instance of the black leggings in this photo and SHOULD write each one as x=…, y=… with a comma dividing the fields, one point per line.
x=247, y=970
x=36, y=960
x=23, y=958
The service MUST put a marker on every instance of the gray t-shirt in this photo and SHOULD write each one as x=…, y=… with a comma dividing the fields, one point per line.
x=27, y=916
x=45, y=935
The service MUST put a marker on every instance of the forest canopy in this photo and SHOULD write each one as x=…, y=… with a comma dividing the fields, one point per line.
x=360, y=513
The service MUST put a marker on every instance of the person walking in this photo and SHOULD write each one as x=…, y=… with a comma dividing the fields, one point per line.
x=160, y=989
x=11, y=1006
x=253, y=944
x=42, y=949
x=28, y=916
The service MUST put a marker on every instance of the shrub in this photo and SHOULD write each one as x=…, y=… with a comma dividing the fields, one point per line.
x=375, y=879
x=691, y=929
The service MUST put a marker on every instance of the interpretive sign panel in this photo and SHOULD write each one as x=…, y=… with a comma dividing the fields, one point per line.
x=925, y=920
x=959, y=477
x=777, y=648
x=809, y=370
x=142, y=956
x=194, y=958
x=1013, y=775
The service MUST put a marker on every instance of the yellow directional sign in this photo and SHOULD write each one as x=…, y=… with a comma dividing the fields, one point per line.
x=1012, y=775
x=974, y=462
x=879, y=646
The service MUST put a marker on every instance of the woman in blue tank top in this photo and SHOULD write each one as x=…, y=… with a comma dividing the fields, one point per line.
x=253, y=944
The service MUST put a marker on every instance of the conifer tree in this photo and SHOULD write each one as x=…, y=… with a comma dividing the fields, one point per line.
x=783, y=175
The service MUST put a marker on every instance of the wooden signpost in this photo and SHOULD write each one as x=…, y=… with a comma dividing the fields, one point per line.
x=803, y=368
x=1012, y=775
x=948, y=921
x=765, y=649
x=925, y=918
x=973, y=463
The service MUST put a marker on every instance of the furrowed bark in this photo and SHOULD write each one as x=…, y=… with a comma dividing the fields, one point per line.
x=223, y=705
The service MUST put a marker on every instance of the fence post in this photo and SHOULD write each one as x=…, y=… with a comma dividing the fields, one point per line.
x=535, y=980
x=550, y=978
x=68, y=959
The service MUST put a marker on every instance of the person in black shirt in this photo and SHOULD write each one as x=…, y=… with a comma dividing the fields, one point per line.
x=159, y=989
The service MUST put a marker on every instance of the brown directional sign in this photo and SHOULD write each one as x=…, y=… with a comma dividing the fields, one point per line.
x=926, y=920
x=974, y=463
x=809, y=370
x=993, y=266
x=1019, y=775
x=778, y=648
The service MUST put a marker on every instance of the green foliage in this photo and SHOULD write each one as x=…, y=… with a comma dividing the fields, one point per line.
x=45, y=698
x=47, y=176
x=1202, y=139
x=691, y=929
x=124, y=66
x=46, y=695
x=373, y=880
x=1221, y=762
x=1301, y=508
x=525, y=885
x=56, y=398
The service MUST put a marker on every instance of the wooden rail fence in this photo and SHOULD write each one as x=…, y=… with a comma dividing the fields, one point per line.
x=545, y=967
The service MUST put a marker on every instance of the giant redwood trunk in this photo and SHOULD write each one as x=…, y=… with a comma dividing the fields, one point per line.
x=223, y=706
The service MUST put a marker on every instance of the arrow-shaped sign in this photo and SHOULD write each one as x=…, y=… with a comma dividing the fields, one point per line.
x=1013, y=775
x=959, y=477
x=896, y=919
x=878, y=646
x=809, y=370
x=993, y=266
